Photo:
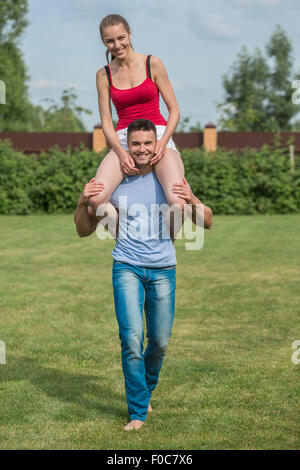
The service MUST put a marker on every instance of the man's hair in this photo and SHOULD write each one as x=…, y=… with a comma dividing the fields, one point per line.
x=141, y=125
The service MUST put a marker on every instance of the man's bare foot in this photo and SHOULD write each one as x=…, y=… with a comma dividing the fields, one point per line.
x=134, y=424
x=149, y=408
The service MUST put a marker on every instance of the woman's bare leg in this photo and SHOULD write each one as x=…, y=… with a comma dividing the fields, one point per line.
x=169, y=170
x=110, y=174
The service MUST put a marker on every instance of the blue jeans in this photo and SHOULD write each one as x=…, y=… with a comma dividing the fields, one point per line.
x=135, y=289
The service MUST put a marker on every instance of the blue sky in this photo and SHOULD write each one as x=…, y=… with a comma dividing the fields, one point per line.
x=197, y=42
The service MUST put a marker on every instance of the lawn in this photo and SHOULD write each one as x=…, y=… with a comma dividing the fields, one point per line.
x=228, y=381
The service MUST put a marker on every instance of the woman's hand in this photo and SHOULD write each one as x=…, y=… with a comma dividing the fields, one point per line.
x=127, y=164
x=92, y=189
x=159, y=152
x=183, y=191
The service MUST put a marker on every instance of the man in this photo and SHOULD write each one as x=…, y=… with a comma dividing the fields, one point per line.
x=144, y=267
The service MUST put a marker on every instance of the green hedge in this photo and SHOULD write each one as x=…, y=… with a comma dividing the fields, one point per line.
x=50, y=182
x=230, y=182
x=245, y=182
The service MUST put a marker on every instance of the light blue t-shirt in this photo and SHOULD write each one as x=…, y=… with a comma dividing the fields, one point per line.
x=144, y=235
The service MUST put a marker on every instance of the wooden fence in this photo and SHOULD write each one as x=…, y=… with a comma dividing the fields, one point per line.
x=211, y=139
x=37, y=142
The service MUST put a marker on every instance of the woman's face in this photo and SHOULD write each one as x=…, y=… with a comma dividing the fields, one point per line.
x=117, y=40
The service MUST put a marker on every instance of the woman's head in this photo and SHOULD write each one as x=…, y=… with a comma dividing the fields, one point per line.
x=116, y=36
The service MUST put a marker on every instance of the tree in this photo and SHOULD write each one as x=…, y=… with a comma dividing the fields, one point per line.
x=14, y=115
x=36, y=118
x=296, y=126
x=196, y=127
x=64, y=116
x=245, y=93
x=12, y=20
x=18, y=114
x=185, y=126
x=280, y=105
x=258, y=95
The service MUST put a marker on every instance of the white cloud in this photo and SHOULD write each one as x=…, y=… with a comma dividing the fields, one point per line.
x=72, y=85
x=42, y=83
x=186, y=86
x=257, y=2
x=133, y=10
x=217, y=27
x=46, y=84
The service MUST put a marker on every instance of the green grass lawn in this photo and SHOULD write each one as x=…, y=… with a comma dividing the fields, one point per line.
x=228, y=381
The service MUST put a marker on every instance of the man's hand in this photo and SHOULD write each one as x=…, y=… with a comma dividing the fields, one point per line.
x=92, y=189
x=86, y=222
x=183, y=191
x=198, y=209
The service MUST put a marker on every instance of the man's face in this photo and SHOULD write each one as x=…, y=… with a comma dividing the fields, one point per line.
x=141, y=145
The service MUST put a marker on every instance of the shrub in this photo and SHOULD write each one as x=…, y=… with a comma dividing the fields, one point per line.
x=230, y=182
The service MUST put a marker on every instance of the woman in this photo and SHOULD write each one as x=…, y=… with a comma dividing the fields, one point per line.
x=133, y=82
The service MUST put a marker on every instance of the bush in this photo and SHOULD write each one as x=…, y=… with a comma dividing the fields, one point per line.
x=245, y=182
x=230, y=182
x=50, y=182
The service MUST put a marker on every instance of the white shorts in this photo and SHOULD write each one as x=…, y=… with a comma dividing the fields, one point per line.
x=122, y=135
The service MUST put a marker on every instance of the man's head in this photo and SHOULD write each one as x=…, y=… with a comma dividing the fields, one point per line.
x=141, y=138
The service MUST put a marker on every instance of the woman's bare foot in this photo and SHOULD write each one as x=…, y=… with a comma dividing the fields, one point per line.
x=134, y=424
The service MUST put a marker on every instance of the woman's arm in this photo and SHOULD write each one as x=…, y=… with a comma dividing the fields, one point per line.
x=104, y=103
x=163, y=83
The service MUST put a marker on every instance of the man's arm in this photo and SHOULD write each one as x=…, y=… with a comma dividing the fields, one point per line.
x=197, y=213
x=85, y=220
x=198, y=209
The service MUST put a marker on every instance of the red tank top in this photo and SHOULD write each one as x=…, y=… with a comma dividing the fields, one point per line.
x=141, y=101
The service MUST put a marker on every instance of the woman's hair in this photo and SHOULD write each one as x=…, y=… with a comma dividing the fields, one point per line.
x=141, y=125
x=112, y=20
